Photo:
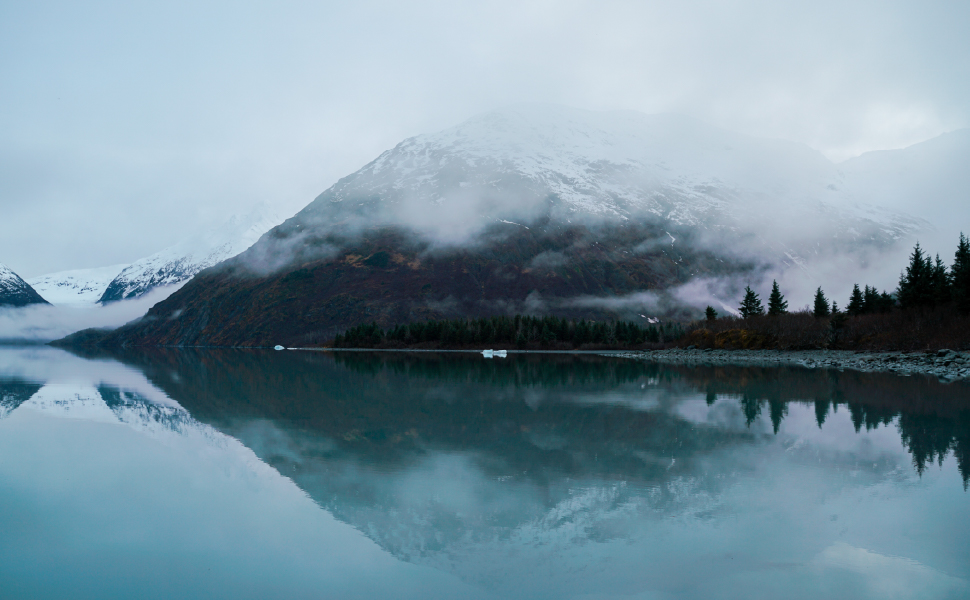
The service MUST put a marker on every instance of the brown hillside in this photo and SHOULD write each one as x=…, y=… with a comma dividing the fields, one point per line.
x=390, y=277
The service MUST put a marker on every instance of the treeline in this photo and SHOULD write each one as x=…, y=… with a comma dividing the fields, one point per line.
x=512, y=332
x=929, y=309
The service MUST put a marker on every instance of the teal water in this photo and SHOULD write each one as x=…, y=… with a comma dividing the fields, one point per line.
x=260, y=474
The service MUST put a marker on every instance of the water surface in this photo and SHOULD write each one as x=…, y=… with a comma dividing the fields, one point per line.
x=253, y=474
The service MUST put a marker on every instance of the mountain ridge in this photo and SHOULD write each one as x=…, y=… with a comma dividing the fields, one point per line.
x=80, y=287
x=523, y=203
x=15, y=292
x=183, y=260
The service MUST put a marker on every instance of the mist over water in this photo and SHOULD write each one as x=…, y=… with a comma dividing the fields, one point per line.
x=45, y=322
x=534, y=476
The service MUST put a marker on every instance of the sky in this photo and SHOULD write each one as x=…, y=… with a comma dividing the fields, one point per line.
x=126, y=126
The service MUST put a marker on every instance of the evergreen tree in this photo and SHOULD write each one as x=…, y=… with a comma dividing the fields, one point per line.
x=941, y=282
x=821, y=304
x=870, y=300
x=916, y=283
x=837, y=323
x=710, y=313
x=886, y=302
x=960, y=275
x=777, y=305
x=856, y=301
x=751, y=305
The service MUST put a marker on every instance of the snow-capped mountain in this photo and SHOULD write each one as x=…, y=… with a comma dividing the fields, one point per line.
x=529, y=160
x=14, y=291
x=538, y=209
x=182, y=261
x=79, y=287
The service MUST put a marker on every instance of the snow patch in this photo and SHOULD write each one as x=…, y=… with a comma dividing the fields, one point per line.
x=78, y=287
x=184, y=260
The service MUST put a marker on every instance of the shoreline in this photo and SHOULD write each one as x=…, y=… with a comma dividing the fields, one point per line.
x=945, y=365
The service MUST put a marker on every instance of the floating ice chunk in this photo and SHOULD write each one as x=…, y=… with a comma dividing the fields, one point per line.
x=488, y=353
x=500, y=353
x=278, y=347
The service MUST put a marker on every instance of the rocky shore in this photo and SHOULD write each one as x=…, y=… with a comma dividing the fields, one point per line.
x=947, y=365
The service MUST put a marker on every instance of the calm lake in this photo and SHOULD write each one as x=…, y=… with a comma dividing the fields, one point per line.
x=259, y=474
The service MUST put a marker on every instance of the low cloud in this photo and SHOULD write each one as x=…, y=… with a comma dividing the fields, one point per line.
x=44, y=323
x=283, y=247
x=548, y=260
x=630, y=302
x=719, y=292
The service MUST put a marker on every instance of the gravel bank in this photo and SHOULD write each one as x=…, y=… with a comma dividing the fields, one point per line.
x=947, y=365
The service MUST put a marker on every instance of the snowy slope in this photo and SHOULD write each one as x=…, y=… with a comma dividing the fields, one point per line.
x=930, y=179
x=14, y=291
x=81, y=287
x=183, y=260
x=528, y=161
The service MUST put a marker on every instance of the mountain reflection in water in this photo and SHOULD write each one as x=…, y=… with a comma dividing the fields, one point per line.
x=565, y=475
x=387, y=405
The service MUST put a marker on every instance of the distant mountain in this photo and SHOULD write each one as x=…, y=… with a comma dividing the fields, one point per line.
x=14, y=291
x=930, y=179
x=531, y=209
x=79, y=287
x=182, y=261
x=528, y=162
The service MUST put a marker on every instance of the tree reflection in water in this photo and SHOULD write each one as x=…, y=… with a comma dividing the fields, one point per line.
x=382, y=404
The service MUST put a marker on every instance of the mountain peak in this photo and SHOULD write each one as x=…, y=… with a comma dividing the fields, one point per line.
x=14, y=291
x=80, y=287
x=526, y=161
x=183, y=260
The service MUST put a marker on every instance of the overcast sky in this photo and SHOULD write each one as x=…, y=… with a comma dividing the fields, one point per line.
x=126, y=125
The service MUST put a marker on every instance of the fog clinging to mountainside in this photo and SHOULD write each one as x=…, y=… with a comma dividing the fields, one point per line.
x=780, y=206
x=126, y=128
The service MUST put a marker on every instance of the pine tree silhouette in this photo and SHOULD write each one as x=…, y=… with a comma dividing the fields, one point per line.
x=710, y=314
x=837, y=323
x=777, y=305
x=941, y=282
x=751, y=305
x=821, y=308
x=886, y=301
x=916, y=283
x=960, y=275
x=870, y=300
x=856, y=301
